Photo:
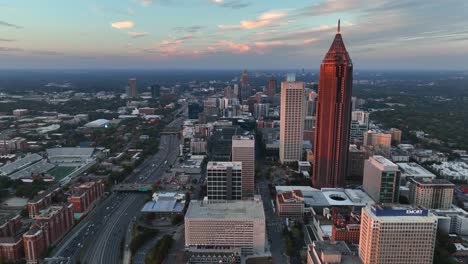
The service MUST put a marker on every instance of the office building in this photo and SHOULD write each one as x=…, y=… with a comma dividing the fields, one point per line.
x=397, y=235
x=362, y=117
x=356, y=163
x=235, y=224
x=357, y=131
x=333, y=116
x=261, y=111
x=292, y=121
x=381, y=179
x=373, y=138
x=155, y=91
x=132, y=91
x=243, y=151
x=224, y=181
x=271, y=87
x=431, y=193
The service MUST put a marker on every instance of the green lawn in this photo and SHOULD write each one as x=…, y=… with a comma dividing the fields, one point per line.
x=61, y=172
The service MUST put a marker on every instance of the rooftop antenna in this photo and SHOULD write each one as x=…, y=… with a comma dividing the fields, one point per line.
x=339, y=30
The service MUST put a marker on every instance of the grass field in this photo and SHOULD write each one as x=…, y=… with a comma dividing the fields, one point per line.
x=61, y=172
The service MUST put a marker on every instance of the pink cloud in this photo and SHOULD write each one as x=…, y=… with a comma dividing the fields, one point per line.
x=123, y=24
x=267, y=19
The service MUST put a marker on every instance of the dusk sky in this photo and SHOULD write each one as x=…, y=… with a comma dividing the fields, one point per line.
x=231, y=34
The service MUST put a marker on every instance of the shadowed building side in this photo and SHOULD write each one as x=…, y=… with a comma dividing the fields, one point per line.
x=333, y=116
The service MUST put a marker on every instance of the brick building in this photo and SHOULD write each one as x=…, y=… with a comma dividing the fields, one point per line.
x=345, y=227
x=85, y=194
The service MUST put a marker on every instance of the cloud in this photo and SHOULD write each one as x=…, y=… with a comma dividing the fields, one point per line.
x=135, y=34
x=190, y=29
x=233, y=47
x=144, y=2
x=332, y=6
x=234, y=4
x=7, y=40
x=267, y=19
x=123, y=24
x=6, y=24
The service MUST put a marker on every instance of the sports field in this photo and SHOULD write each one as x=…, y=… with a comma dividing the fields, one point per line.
x=61, y=172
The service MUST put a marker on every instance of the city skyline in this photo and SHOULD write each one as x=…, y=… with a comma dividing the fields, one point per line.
x=227, y=34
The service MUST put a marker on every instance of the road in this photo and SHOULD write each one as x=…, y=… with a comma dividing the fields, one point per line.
x=98, y=238
x=274, y=225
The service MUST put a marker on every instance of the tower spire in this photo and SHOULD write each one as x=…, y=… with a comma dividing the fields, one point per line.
x=338, y=26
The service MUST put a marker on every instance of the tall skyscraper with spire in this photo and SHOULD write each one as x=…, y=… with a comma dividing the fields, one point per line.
x=333, y=116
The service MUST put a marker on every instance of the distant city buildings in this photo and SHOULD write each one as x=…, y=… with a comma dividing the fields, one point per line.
x=155, y=91
x=132, y=91
x=381, y=179
x=243, y=150
x=397, y=235
x=271, y=87
x=333, y=116
x=292, y=124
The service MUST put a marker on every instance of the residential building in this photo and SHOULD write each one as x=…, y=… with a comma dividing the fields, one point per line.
x=431, y=193
x=46, y=230
x=234, y=224
x=396, y=135
x=84, y=195
x=397, y=235
x=381, y=179
x=292, y=121
x=243, y=150
x=453, y=220
x=224, y=181
x=373, y=138
x=333, y=116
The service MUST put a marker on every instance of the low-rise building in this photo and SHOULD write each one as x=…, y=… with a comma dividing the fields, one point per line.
x=453, y=220
x=290, y=204
x=165, y=204
x=331, y=252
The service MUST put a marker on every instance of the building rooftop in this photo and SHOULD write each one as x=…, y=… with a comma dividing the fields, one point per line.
x=324, y=248
x=97, y=123
x=432, y=182
x=399, y=213
x=70, y=152
x=163, y=206
x=329, y=196
x=221, y=165
x=414, y=170
x=383, y=163
x=247, y=209
x=36, y=168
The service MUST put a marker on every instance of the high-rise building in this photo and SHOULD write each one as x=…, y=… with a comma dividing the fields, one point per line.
x=291, y=121
x=244, y=91
x=155, y=91
x=356, y=163
x=381, y=179
x=357, y=131
x=132, y=91
x=333, y=116
x=397, y=235
x=243, y=150
x=396, y=135
x=224, y=181
x=229, y=92
x=431, y=193
x=235, y=224
x=261, y=110
x=362, y=117
x=271, y=87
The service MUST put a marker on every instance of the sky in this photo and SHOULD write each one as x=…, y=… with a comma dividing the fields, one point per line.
x=231, y=34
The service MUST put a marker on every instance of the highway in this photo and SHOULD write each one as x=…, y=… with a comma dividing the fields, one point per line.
x=99, y=237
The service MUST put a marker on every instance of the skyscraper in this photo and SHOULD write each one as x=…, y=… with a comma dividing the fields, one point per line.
x=291, y=120
x=244, y=92
x=333, y=116
x=397, y=235
x=243, y=150
x=132, y=91
x=271, y=87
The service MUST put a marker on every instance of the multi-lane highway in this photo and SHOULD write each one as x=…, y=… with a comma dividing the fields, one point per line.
x=98, y=238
